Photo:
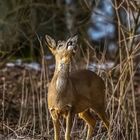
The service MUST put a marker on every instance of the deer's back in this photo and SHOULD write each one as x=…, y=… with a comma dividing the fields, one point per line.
x=88, y=89
x=87, y=79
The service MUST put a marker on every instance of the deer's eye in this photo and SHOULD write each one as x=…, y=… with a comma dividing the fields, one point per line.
x=69, y=43
x=60, y=45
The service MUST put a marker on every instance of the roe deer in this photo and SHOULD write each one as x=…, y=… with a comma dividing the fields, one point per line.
x=70, y=93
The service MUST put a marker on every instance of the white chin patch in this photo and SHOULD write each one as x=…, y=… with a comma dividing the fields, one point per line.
x=70, y=47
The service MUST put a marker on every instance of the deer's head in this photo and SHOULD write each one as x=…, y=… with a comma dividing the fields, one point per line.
x=62, y=50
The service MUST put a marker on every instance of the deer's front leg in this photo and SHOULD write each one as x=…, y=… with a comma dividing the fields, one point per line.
x=56, y=125
x=68, y=125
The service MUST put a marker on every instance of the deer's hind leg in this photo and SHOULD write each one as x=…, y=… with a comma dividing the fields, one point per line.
x=88, y=118
x=102, y=115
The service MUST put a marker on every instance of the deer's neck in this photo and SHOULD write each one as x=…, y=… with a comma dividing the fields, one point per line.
x=60, y=78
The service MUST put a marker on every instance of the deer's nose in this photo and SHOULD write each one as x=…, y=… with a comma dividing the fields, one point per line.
x=69, y=45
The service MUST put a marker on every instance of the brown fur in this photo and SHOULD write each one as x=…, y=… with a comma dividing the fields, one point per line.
x=74, y=93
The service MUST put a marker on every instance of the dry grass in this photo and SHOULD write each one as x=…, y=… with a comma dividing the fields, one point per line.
x=23, y=102
x=33, y=120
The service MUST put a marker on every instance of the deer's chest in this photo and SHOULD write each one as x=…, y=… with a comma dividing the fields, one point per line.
x=58, y=100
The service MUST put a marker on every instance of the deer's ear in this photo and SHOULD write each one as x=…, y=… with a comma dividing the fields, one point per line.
x=50, y=42
x=74, y=38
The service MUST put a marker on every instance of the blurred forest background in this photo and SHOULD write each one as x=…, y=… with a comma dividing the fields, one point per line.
x=109, y=42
